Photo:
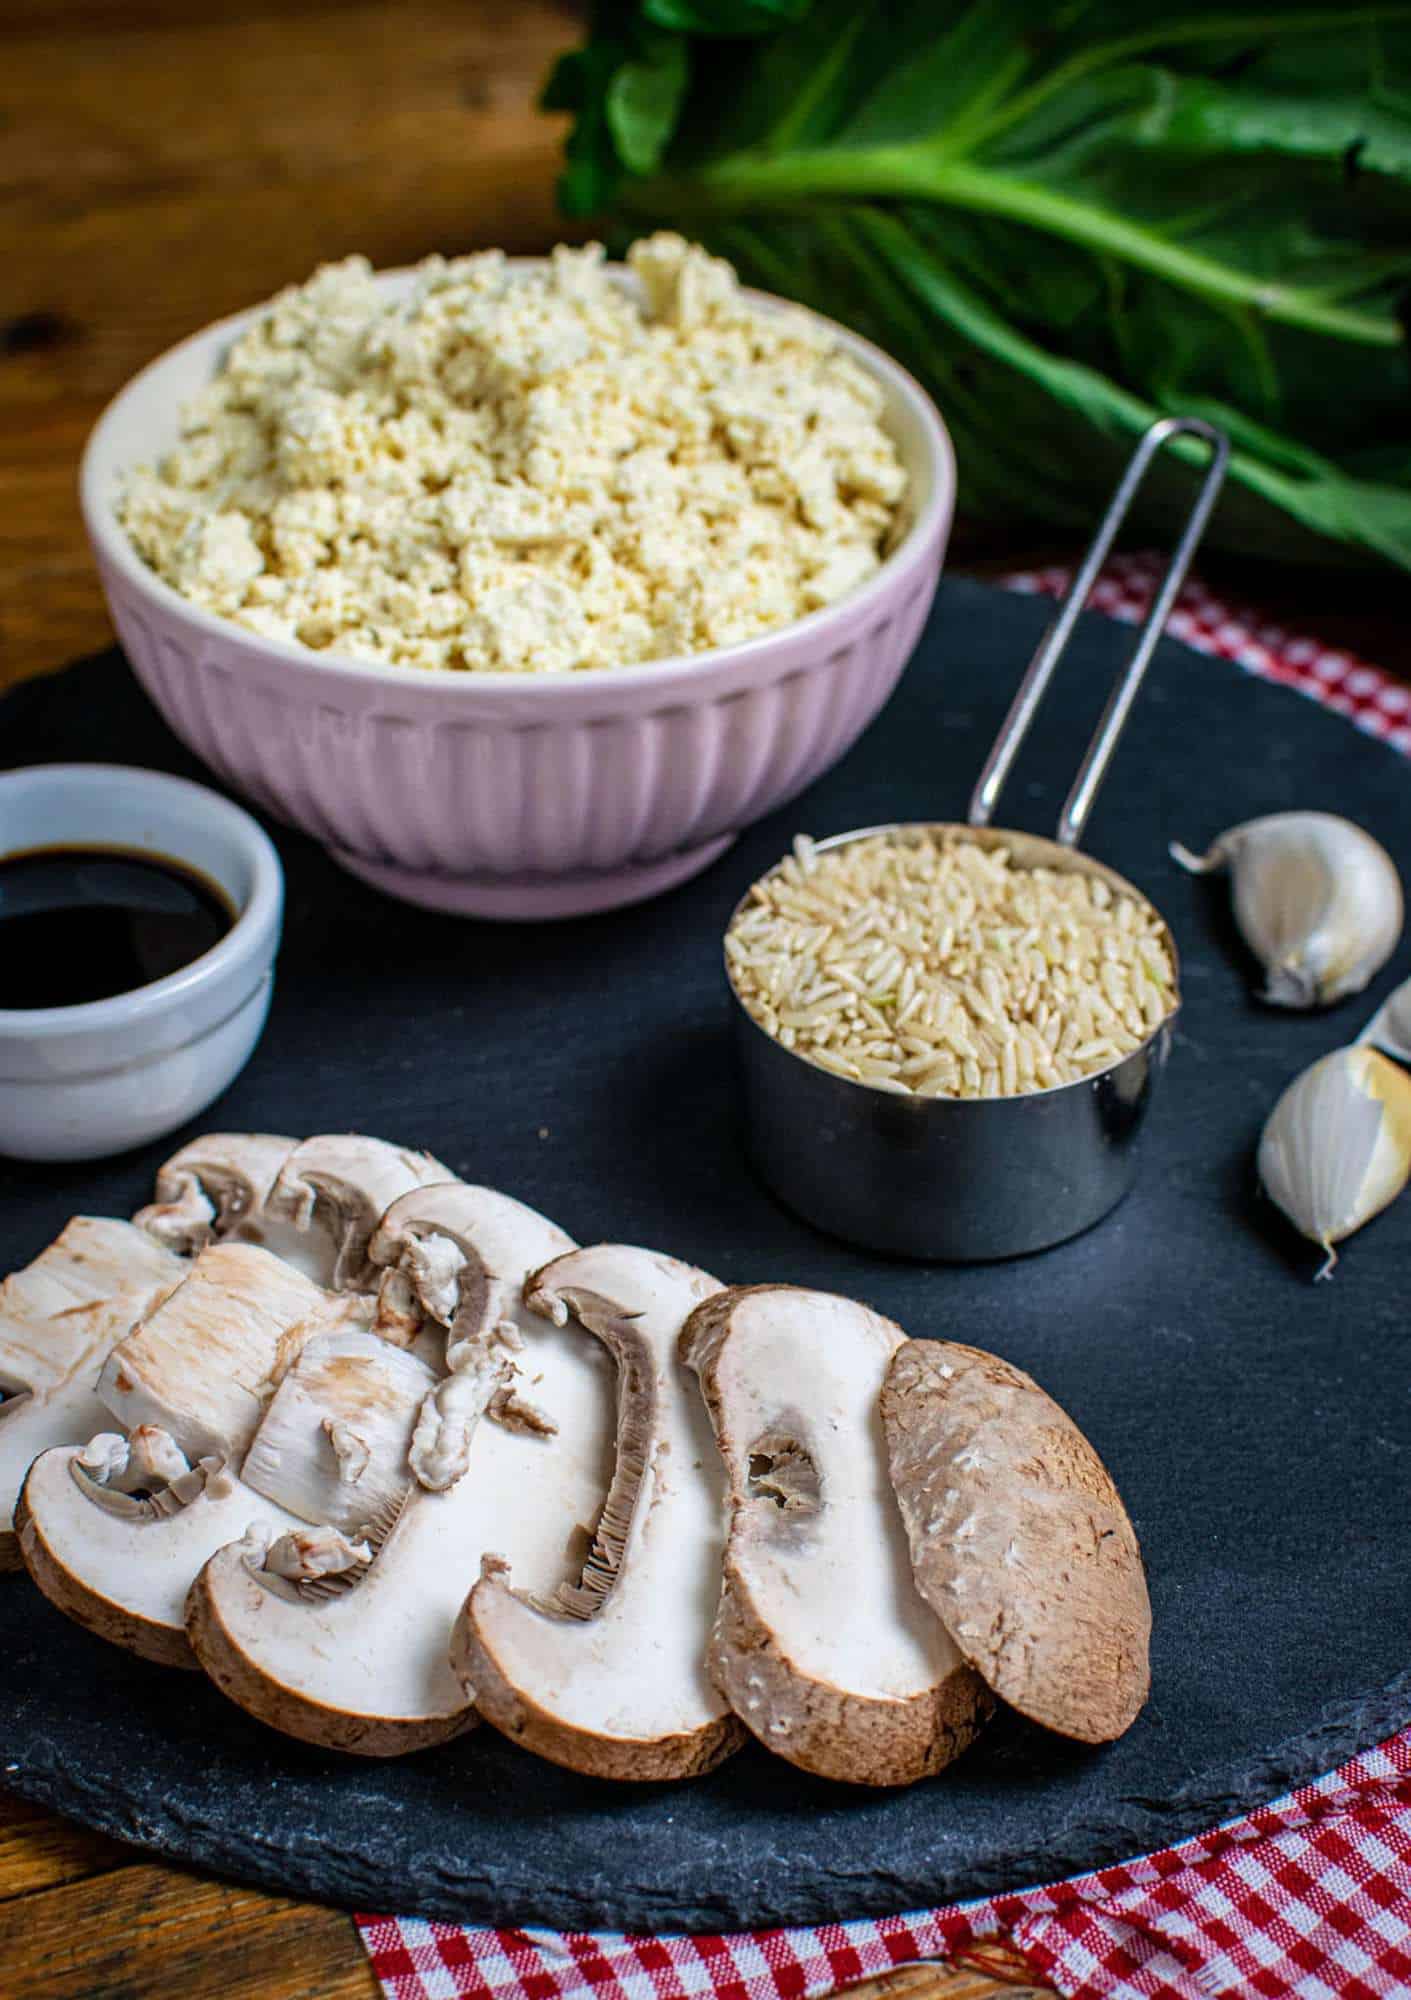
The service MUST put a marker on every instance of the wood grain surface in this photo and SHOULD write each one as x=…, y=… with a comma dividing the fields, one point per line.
x=163, y=165
x=82, y=1918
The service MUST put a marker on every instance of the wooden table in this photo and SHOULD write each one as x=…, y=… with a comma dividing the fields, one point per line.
x=162, y=165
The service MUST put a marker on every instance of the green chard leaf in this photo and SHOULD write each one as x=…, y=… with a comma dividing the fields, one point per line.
x=1066, y=219
x=733, y=17
x=644, y=100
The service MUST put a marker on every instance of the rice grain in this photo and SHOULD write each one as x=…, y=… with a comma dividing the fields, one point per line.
x=930, y=964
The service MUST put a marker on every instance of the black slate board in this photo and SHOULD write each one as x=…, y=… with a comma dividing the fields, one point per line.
x=1258, y=1425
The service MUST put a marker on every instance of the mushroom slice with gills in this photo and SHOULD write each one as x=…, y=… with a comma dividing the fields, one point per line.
x=60, y=1317
x=215, y=1186
x=461, y=1255
x=331, y=1193
x=607, y=1674
x=358, y=1659
x=114, y=1531
x=822, y=1644
x=313, y=1203
x=1019, y=1539
x=205, y=1363
x=332, y=1446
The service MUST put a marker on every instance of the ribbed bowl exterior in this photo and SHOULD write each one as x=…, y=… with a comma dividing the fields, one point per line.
x=496, y=780
x=624, y=779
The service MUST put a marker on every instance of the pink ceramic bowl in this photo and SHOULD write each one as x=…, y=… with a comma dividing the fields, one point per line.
x=514, y=795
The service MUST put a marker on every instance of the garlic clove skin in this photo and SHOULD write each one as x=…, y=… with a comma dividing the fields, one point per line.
x=1317, y=900
x=1390, y=1027
x=1337, y=1145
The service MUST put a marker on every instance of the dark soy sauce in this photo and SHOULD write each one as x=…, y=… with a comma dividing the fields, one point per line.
x=84, y=923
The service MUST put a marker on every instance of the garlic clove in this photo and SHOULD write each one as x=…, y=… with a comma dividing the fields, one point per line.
x=1390, y=1027
x=1337, y=1145
x=1317, y=900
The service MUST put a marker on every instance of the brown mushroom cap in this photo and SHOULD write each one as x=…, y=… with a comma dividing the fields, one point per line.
x=1019, y=1539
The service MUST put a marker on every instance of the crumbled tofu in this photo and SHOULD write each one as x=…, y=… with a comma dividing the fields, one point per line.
x=524, y=470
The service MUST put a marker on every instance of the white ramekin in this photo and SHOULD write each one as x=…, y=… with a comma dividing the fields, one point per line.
x=516, y=795
x=77, y=1083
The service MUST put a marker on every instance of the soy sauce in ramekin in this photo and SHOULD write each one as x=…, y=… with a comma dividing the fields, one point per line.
x=86, y=923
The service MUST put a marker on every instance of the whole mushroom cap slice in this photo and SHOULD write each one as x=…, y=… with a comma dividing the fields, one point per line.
x=1019, y=1539
x=608, y=1675
x=822, y=1644
x=461, y=1254
x=60, y=1318
x=364, y=1666
x=334, y=1190
x=120, y=1567
x=215, y=1186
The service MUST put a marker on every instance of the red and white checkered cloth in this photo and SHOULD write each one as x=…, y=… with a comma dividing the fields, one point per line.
x=1308, y=1897
x=1367, y=696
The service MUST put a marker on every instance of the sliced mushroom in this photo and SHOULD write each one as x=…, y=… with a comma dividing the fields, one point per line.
x=607, y=1674
x=463, y=1254
x=1019, y=1539
x=205, y=1363
x=215, y=1186
x=313, y=1203
x=117, y=1531
x=359, y=1660
x=339, y=1186
x=332, y=1446
x=113, y=1532
x=310, y=1555
x=822, y=1645
x=60, y=1317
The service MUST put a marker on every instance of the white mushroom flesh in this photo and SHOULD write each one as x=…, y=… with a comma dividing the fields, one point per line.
x=215, y=1186
x=124, y=1571
x=332, y=1446
x=144, y=1475
x=616, y=1662
x=60, y=1317
x=149, y=1461
x=795, y=1380
x=334, y=1190
x=204, y=1364
x=465, y=1252
x=307, y=1555
x=367, y=1667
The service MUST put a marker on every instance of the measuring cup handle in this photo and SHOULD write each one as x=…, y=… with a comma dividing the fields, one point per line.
x=1052, y=646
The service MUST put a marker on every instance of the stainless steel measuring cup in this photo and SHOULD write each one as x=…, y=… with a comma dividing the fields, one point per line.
x=964, y=1179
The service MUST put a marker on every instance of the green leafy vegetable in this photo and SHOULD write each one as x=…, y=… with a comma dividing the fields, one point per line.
x=1067, y=216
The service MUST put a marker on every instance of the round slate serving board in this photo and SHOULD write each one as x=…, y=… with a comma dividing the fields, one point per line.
x=1258, y=1425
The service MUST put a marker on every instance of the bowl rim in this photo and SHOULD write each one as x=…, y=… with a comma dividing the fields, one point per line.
x=112, y=544
x=257, y=921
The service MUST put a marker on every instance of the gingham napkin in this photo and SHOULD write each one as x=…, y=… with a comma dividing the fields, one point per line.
x=1309, y=1897
x=1368, y=697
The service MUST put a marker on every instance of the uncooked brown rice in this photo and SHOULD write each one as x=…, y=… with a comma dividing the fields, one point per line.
x=932, y=965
